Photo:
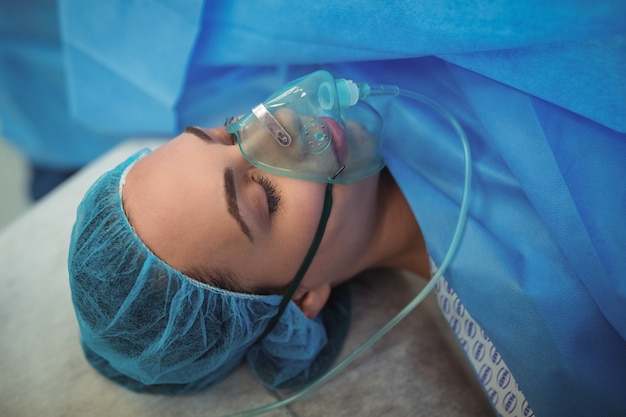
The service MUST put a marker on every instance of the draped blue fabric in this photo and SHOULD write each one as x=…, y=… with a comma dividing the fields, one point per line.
x=95, y=74
x=539, y=265
x=539, y=86
x=34, y=104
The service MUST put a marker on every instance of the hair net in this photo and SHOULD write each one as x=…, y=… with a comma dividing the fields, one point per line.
x=151, y=328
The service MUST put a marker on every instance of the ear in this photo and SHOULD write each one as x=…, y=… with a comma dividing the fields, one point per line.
x=312, y=301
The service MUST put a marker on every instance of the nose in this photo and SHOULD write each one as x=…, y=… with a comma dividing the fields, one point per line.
x=275, y=144
x=310, y=153
x=235, y=157
x=287, y=136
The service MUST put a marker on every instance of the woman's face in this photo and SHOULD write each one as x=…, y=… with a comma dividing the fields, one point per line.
x=200, y=206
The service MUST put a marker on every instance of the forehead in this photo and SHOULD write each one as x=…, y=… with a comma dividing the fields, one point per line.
x=173, y=198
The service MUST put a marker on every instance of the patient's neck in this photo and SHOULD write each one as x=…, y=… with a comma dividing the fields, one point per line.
x=400, y=241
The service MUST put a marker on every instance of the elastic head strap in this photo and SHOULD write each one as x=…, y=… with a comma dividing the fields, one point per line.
x=319, y=233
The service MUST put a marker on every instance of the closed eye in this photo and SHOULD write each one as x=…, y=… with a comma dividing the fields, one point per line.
x=272, y=194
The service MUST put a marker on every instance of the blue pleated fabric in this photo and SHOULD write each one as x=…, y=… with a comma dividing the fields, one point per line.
x=539, y=265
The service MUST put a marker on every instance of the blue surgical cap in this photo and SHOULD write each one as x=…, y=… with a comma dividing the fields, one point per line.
x=153, y=329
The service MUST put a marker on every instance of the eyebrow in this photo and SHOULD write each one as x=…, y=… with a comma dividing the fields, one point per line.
x=199, y=133
x=230, y=193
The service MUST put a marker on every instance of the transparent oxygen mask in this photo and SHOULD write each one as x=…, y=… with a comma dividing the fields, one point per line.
x=313, y=128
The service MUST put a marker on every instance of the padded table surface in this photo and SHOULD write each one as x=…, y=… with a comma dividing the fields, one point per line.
x=415, y=370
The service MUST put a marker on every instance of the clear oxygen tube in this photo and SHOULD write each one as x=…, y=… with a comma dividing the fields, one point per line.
x=364, y=91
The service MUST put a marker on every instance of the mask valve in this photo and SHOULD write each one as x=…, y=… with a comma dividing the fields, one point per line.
x=317, y=136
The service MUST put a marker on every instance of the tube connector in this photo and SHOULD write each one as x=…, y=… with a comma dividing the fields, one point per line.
x=348, y=92
x=366, y=90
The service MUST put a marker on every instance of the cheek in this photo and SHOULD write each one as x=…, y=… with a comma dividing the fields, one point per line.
x=302, y=205
x=293, y=228
x=355, y=202
x=352, y=220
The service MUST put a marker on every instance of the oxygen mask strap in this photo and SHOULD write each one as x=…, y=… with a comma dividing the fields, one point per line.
x=319, y=233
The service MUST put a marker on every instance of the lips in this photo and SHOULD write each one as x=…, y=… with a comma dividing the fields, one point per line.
x=338, y=143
